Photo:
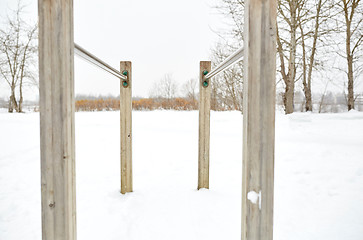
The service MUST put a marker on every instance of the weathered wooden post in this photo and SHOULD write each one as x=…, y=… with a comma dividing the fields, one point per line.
x=56, y=99
x=259, y=119
x=126, y=127
x=204, y=125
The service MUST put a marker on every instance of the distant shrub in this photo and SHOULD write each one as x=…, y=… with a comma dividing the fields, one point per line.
x=97, y=105
x=113, y=104
x=144, y=104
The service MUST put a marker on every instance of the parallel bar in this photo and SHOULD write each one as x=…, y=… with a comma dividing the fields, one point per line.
x=204, y=127
x=89, y=57
x=259, y=119
x=56, y=101
x=126, y=128
x=228, y=62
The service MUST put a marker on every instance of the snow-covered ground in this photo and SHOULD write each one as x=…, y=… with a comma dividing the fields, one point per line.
x=318, y=177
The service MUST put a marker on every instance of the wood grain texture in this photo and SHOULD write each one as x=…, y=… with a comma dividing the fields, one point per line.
x=204, y=128
x=56, y=99
x=126, y=129
x=259, y=118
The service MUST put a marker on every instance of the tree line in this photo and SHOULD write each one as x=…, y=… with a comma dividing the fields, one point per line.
x=186, y=98
x=317, y=40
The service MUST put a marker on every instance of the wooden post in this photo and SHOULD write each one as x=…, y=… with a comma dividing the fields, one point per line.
x=204, y=126
x=56, y=99
x=259, y=119
x=126, y=128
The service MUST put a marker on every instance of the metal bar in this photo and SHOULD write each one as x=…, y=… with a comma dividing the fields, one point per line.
x=89, y=57
x=228, y=62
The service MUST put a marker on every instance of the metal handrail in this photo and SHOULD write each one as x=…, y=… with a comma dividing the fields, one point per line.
x=228, y=62
x=89, y=57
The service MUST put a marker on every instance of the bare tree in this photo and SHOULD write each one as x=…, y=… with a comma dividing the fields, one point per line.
x=312, y=29
x=305, y=30
x=229, y=84
x=352, y=11
x=165, y=88
x=234, y=10
x=17, y=50
x=189, y=89
x=291, y=14
x=227, y=87
x=287, y=39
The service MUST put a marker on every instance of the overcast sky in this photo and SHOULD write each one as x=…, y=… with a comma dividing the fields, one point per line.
x=159, y=37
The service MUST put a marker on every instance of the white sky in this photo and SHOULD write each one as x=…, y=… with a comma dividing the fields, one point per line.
x=159, y=37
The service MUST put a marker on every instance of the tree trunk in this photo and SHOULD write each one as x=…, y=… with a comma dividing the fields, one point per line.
x=290, y=81
x=306, y=83
x=12, y=104
x=350, y=82
x=286, y=78
x=20, y=103
x=349, y=59
x=307, y=91
x=10, y=108
x=290, y=84
x=289, y=97
x=308, y=101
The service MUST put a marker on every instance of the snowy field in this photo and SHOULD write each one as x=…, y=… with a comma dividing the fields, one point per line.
x=318, y=177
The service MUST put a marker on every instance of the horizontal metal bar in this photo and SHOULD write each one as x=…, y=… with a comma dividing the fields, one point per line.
x=228, y=62
x=89, y=57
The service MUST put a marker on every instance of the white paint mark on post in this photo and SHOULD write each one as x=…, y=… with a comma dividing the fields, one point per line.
x=254, y=197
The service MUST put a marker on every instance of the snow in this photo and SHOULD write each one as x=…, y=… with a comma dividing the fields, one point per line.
x=254, y=197
x=318, y=177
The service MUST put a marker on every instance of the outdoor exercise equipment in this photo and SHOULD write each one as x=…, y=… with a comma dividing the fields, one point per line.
x=56, y=92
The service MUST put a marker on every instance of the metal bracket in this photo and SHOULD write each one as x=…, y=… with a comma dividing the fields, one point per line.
x=125, y=83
